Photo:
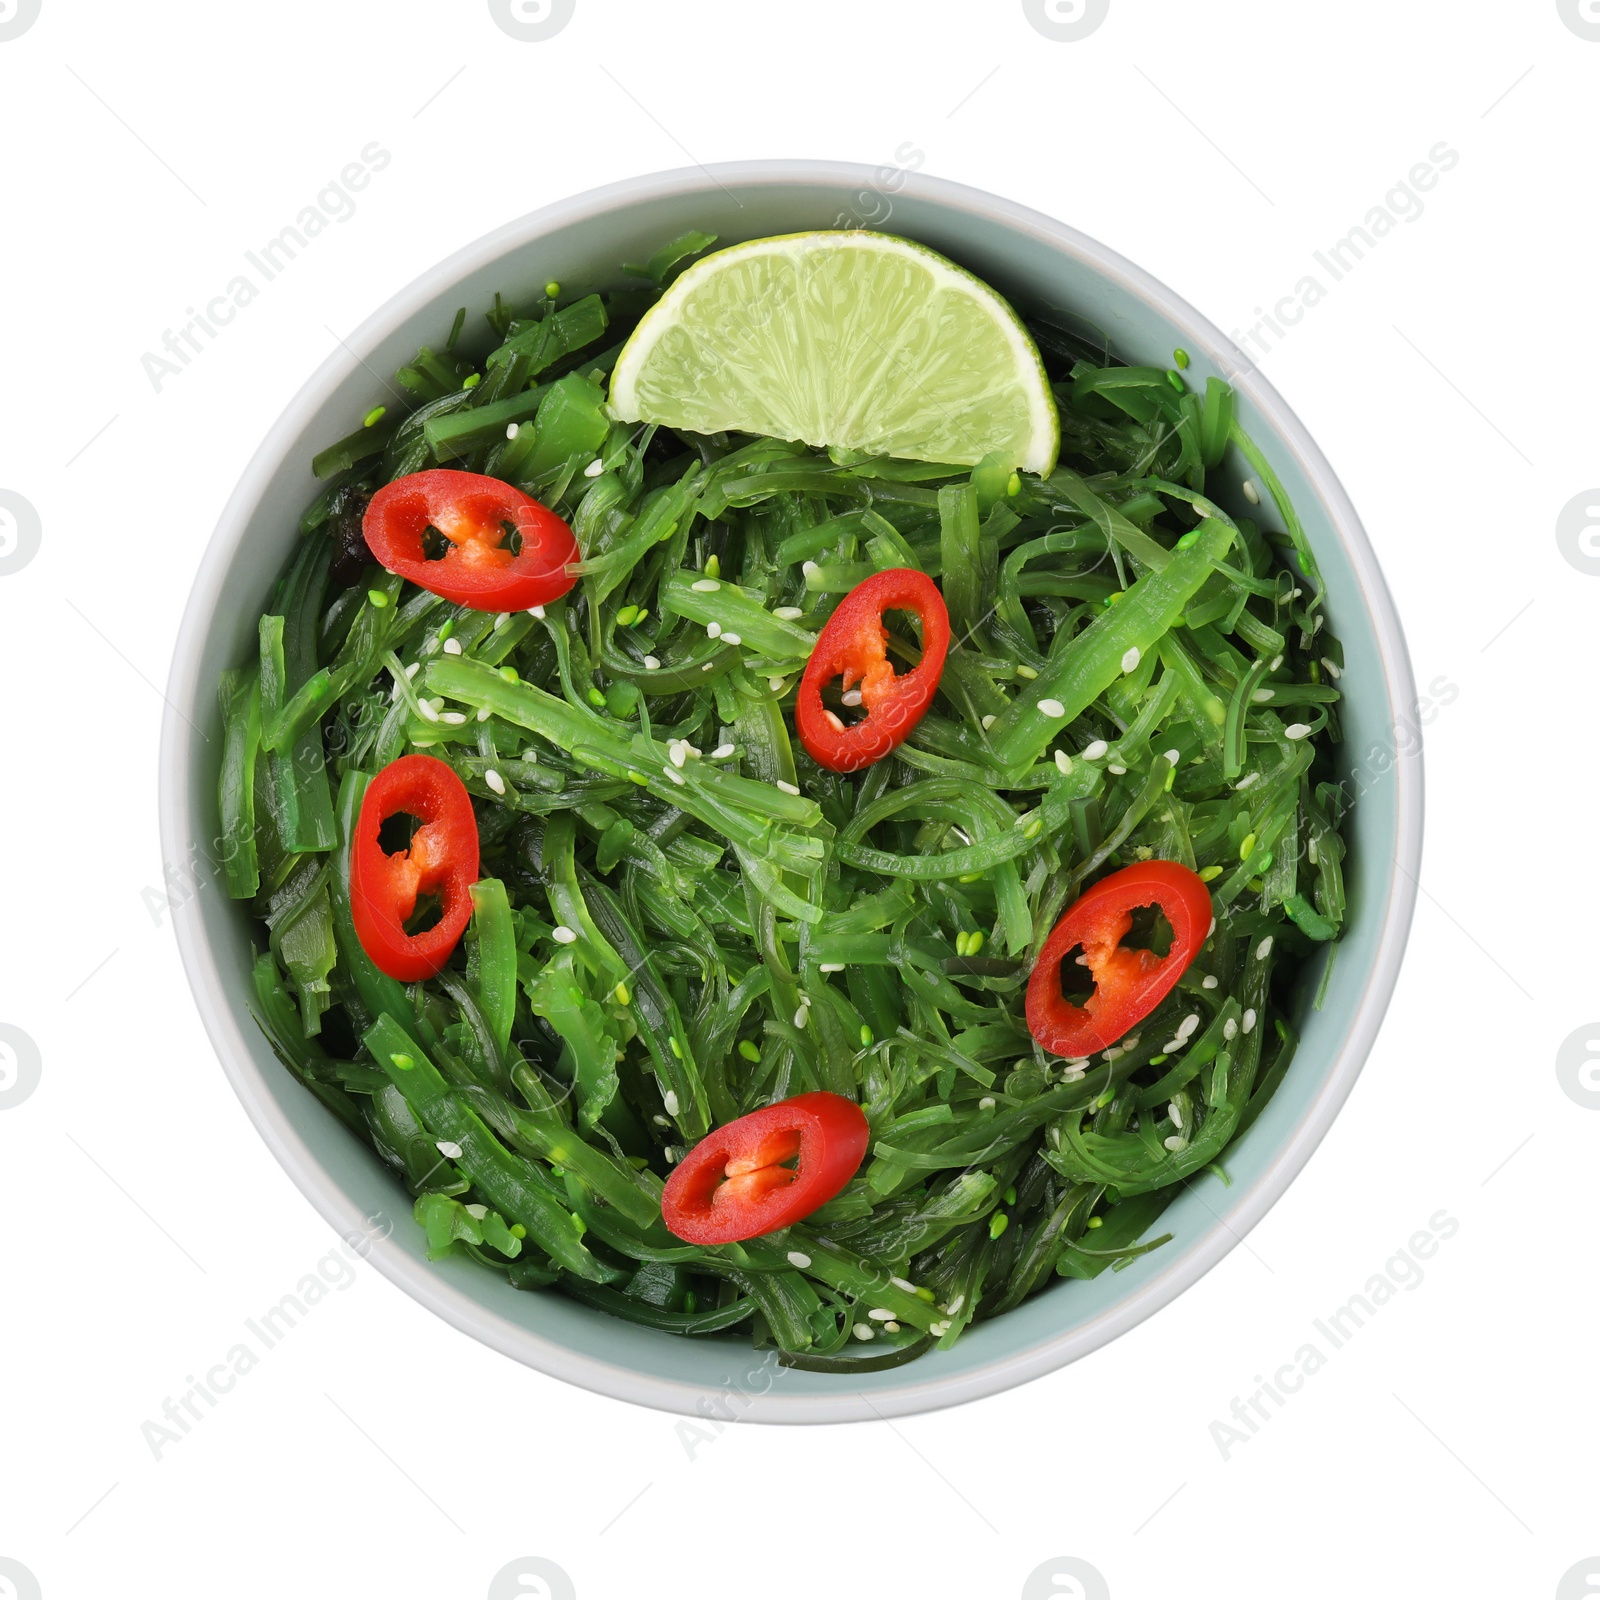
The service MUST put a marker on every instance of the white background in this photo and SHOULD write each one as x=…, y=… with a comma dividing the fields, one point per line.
x=1451, y=379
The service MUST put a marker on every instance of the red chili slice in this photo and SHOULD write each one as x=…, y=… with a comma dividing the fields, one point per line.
x=853, y=645
x=737, y=1183
x=479, y=569
x=1128, y=984
x=442, y=860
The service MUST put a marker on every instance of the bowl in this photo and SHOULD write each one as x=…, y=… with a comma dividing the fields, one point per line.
x=1039, y=263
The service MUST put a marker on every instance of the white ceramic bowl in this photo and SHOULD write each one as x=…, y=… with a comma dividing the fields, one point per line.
x=1038, y=262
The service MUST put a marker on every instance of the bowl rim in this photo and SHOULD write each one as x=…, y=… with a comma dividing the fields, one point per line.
x=432, y=1288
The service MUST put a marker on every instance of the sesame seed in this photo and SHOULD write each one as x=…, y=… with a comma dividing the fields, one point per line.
x=705, y=585
x=808, y=567
x=455, y=718
x=483, y=716
x=956, y=1304
x=830, y=966
x=1297, y=730
x=1229, y=1028
x=1063, y=763
x=788, y=788
x=1052, y=708
x=775, y=685
x=595, y=468
x=452, y=647
x=1172, y=1046
x=1174, y=1115
x=676, y=776
x=851, y=697
x=787, y=613
x=536, y=612
x=449, y=1149
x=562, y=934
x=511, y=430
x=713, y=629
x=1130, y=658
x=891, y=1327
x=987, y=1103
x=879, y=1314
x=1173, y=1141
x=1172, y=756
x=1331, y=669
x=1115, y=770
x=833, y=721
x=670, y=1101
x=501, y=620
x=901, y=1283
x=428, y=713
x=988, y=722
x=1094, y=751
x=1249, y=1020
x=676, y=753
x=1071, y=1076
x=864, y=1330
x=1247, y=780
x=1209, y=981
x=1277, y=661
x=661, y=1122
x=651, y=664
x=801, y=1015
x=1264, y=949
x=1251, y=493
x=939, y=1329
x=732, y=638
x=494, y=780
x=1262, y=696
x=798, y=1258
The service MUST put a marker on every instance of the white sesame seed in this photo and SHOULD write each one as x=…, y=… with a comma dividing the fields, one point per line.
x=1297, y=730
x=1115, y=770
x=1264, y=949
x=987, y=1103
x=1071, y=1076
x=661, y=1122
x=448, y=1148
x=1229, y=1028
x=732, y=638
x=713, y=629
x=562, y=934
x=1251, y=493
x=830, y=966
x=1277, y=661
x=428, y=713
x=1063, y=763
x=709, y=666
x=833, y=721
x=676, y=776
x=494, y=780
x=1172, y=757
x=1172, y=1141
x=864, y=1331
x=801, y=1015
x=775, y=685
x=536, y=612
x=1051, y=708
x=651, y=664
x=595, y=468
x=1261, y=696
x=455, y=718
x=1188, y=1025
x=879, y=1314
x=891, y=1327
x=1130, y=658
x=788, y=788
x=1174, y=1115
x=670, y=1101
x=808, y=567
x=1172, y=1046
x=1249, y=1020
x=705, y=585
x=1094, y=751
x=1331, y=668
x=452, y=647
x=798, y=1258
x=1248, y=779
x=956, y=1304
x=901, y=1283
x=511, y=430
x=1209, y=981
x=501, y=620
x=939, y=1329
x=787, y=613
x=671, y=1153
x=676, y=754
x=483, y=716
x=988, y=722
x=851, y=697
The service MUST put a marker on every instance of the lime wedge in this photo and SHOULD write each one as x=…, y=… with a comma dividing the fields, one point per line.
x=855, y=340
